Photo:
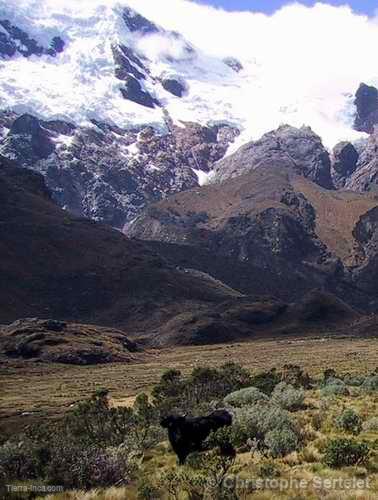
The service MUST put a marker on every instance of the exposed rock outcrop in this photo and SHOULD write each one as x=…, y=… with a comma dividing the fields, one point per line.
x=127, y=63
x=233, y=63
x=366, y=103
x=174, y=85
x=365, y=176
x=270, y=231
x=133, y=91
x=14, y=40
x=27, y=139
x=300, y=150
x=107, y=173
x=52, y=341
x=344, y=162
x=137, y=23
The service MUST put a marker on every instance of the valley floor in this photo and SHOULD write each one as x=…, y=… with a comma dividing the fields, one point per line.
x=32, y=391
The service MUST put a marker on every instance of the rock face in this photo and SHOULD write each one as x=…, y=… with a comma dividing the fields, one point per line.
x=174, y=85
x=233, y=63
x=53, y=341
x=128, y=64
x=366, y=102
x=365, y=176
x=53, y=265
x=13, y=41
x=133, y=91
x=110, y=174
x=137, y=23
x=270, y=231
x=297, y=149
x=344, y=162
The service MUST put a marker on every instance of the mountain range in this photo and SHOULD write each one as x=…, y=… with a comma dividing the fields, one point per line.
x=142, y=210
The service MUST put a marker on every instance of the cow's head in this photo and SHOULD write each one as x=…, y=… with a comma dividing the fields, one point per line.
x=172, y=422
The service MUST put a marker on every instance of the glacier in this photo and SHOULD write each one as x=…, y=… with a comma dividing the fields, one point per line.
x=299, y=66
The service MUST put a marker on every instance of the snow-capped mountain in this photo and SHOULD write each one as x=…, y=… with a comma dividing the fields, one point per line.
x=120, y=104
x=110, y=64
x=59, y=60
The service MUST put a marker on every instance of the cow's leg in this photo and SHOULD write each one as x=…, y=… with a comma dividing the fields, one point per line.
x=182, y=457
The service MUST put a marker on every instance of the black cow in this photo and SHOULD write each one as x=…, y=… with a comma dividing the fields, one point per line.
x=187, y=434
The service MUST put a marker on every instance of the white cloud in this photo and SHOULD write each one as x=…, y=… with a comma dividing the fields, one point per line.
x=302, y=65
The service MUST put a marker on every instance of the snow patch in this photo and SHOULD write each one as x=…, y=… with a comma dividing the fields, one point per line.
x=133, y=149
x=153, y=168
x=203, y=177
x=64, y=140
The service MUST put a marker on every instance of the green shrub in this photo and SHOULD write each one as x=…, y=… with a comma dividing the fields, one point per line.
x=370, y=384
x=268, y=469
x=334, y=387
x=370, y=425
x=21, y=460
x=333, y=381
x=175, y=393
x=90, y=467
x=245, y=425
x=282, y=441
x=274, y=417
x=294, y=375
x=147, y=490
x=266, y=381
x=342, y=452
x=244, y=397
x=254, y=423
x=354, y=380
x=287, y=397
x=349, y=421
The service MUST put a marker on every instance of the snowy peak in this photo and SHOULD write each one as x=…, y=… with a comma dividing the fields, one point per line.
x=110, y=64
x=137, y=23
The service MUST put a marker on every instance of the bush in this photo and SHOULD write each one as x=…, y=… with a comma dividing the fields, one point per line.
x=274, y=417
x=244, y=426
x=370, y=425
x=268, y=469
x=91, y=467
x=174, y=393
x=254, y=423
x=148, y=491
x=294, y=375
x=19, y=460
x=370, y=384
x=244, y=397
x=281, y=441
x=349, y=421
x=266, y=381
x=354, y=380
x=287, y=397
x=334, y=387
x=344, y=452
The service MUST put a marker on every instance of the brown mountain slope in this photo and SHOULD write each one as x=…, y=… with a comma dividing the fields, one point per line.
x=277, y=232
x=53, y=265
x=244, y=319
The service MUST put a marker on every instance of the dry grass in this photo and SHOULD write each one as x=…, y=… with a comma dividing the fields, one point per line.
x=337, y=213
x=30, y=391
x=49, y=389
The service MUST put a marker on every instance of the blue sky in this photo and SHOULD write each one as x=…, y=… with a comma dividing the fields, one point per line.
x=269, y=6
